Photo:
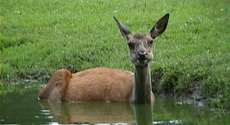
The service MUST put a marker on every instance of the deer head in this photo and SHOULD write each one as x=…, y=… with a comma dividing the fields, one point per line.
x=140, y=45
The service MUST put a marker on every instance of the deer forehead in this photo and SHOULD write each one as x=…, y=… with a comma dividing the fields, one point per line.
x=137, y=38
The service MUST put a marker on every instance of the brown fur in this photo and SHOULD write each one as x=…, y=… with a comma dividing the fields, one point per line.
x=56, y=87
x=98, y=84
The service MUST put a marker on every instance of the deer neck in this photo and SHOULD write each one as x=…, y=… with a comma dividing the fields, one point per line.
x=142, y=85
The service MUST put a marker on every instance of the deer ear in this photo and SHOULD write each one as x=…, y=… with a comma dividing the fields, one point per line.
x=160, y=26
x=124, y=31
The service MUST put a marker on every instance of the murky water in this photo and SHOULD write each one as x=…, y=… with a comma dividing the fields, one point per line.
x=20, y=106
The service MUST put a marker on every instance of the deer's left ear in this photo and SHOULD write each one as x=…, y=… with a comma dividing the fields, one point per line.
x=160, y=26
x=124, y=31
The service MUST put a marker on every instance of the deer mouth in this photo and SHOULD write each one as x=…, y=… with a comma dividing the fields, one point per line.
x=141, y=61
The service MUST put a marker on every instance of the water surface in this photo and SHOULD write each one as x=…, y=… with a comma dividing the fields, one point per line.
x=20, y=106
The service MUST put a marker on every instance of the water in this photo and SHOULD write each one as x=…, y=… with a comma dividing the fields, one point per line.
x=20, y=106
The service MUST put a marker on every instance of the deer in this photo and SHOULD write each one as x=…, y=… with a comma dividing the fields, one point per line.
x=106, y=84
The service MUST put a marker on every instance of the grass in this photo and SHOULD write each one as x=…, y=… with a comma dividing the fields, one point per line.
x=191, y=57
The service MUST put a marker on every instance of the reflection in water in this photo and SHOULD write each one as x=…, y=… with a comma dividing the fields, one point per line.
x=143, y=114
x=19, y=106
x=98, y=112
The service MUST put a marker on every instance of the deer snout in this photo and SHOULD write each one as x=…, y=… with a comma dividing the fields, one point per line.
x=141, y=55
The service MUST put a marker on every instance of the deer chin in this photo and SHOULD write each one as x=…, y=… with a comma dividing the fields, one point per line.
x=141, y=62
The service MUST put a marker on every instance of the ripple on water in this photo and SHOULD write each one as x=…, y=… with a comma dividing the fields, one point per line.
x=55, y=123
x=45, y=112
x=168, y=122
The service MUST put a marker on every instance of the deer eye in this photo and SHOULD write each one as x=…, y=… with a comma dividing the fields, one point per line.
x=150, y=41
x=131, y=45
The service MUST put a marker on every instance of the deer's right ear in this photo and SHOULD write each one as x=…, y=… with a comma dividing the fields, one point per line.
x=124, y=31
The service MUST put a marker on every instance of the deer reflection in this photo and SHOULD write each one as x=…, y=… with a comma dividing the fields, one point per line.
x=143, y=114
x=98, y=112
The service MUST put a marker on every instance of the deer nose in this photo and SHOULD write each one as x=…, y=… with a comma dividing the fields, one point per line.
x=142, y=53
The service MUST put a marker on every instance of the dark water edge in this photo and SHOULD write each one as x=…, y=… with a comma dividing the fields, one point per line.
x=20, y=106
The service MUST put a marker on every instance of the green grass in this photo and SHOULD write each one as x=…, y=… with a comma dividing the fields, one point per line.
x=191, y=57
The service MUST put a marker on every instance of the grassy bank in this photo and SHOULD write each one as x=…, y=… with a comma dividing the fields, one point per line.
x=191, y=57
